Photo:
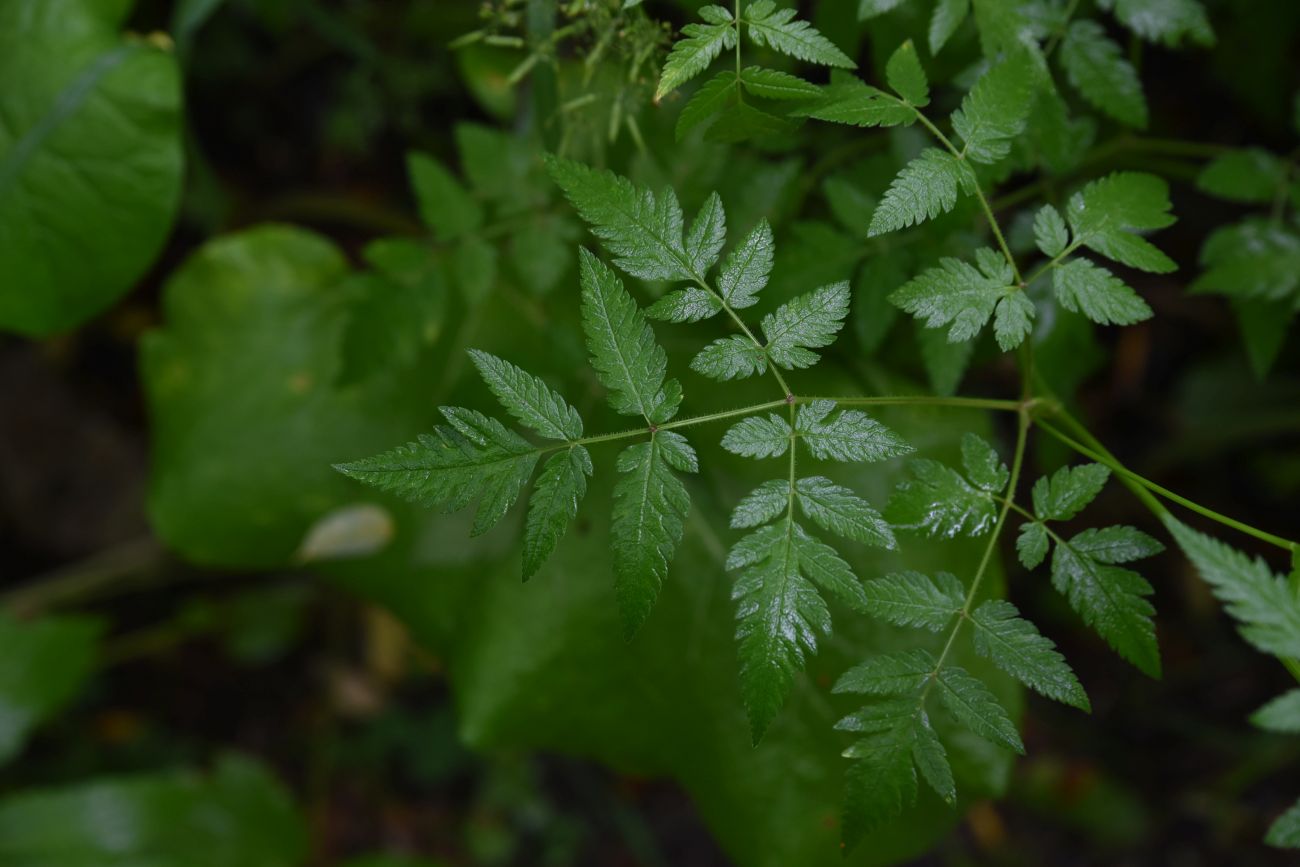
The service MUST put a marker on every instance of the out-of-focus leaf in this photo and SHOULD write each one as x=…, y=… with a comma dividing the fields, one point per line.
x=43, y=664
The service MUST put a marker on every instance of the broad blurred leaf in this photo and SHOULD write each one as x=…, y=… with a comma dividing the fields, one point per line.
x=90, y=160
x=43, y=663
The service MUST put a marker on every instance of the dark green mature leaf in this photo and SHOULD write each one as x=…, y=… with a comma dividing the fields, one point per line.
x=852, y=101
x=471, y=457
x=914, y=599
x=691, y=304
x=692, y=54
x=758, y=437
x=774, y=84
x=956, y=293
x=709, y=100
x=554, y=504
x=446, y=207
x=1167, y=21
x=1083, y=287
x=1015, y=646
x=90, y=160
x=1118, y=544
x=839, y=510
x=906, y=76
x=881, y=783
x=1050, y=232
x=650, y=506
x=706, y=236
x=1097, y=68
x=1250, y=175
x=1282, y=714
x=948, y=16
x=1067, y=491
x=745, y=271
x=728, y=358
x=778, y=29
x=976, y=707
x=527, y=398
x=1264, y=605
x=982, y=464
x=995, y=110
x=805, y=323
x=237, y=815
x=642, y=230
x=848, y=436
x=1255, y=259
x=763, y=504
x=1285, y=832
x=924, y=189
x=1112, y=601
x=624, y=353
x=779, y=618
x=44, y=664
x=1107, y=214
x=1032, y=544
x=937, y=501
x=897, y=672
x=945, y=362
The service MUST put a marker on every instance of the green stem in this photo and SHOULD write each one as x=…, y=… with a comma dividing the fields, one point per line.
x=1147, y=487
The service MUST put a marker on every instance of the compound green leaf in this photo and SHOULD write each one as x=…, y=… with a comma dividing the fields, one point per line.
x=1250, y=175
x=1016, y=646
x=90, y=160
x=559, y=489
x=745, y=270
x=728, y=358
x=1255, y=259
x=938, y=501
x=44, y=665
x=624, y=353
x=528, y=398
x=976, y=707
x=706, y=236
x=947, y=17
x=995, y=110
x=691, y=304
x=643, y=231
x=849, y=435
x=763, y=504
x=1050, y=232
x=774, y=84
x=650, y=506
x=710, y=100
x=955, y=292
x=915, y=599
x=1282, y=714
x=1118, y=544
x=982, y=464
x=1032, y=544
x=880, y=784
x=758, y=437
x=1083, y=287
x=1285, y=832
x=837, y=509
x=1097, y=69
x=906, y=76
x=781, y=31
x=1067, y=491
x=924, y=189
x=805, y=323
x=446, y=207
x=1112, y=601
x=1166, y=21
x=851, y=101
x=898, y=672
x=691, y=55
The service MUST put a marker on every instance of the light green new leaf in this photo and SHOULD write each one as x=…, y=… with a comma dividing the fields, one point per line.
x=924, y=189
x=650, y=506
x=643, y=231
x=1050, y=232
x=938, y=501
x=774, y=84
x=1112, y=601
x=849, y=435
x=624, y=353
x=955, y=292
x=976, y=707
x=554, y=504
x=763, y=504
x=1264, y=605
x=446, y=207
x=906, y=76
x=745, y=271
x=914, y=599
x=947, y=17
x=1285, y=832
x=691, y=304
x=728, y=358
x=1032, y=544
x=898, y=672
x=91, y=161
x=757, y=437
x=1083, y=287
x=528, y=398
x=1016, y=646
x=1097, y=68
x=471, y=457
x=706, y=236
x=805, y=323
x=982, y=464
x=44, y=665
x=692, y=54
x=1067, y=491
x=778, y=29
x=1282, y=714
x=1250, y=175
x=839, y=510
x=995, y=110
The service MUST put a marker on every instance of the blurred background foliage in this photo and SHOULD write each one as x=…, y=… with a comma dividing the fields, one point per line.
x=217, y=651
